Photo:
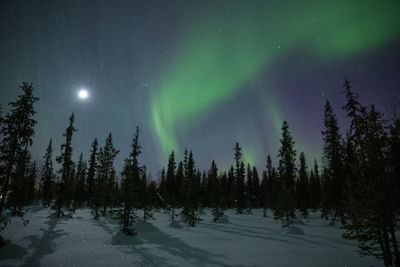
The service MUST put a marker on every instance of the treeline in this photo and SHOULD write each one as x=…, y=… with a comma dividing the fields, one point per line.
x=358, y=185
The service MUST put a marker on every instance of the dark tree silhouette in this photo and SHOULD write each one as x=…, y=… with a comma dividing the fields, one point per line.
x=216, y=196
x=315, y=187
x=131, y=184
x=192, y=205
x=335, y=194
x=17, y=131
x=171, y=194
x=65, y=186
x=91, y=174
x=79, y=189
x=284, y=209
x=239, y=180
x=303, y=187
x=47, y=176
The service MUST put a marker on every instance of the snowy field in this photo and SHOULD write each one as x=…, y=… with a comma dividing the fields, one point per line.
x=243, y=240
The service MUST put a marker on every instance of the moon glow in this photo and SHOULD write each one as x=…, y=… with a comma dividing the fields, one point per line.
x=83, y=94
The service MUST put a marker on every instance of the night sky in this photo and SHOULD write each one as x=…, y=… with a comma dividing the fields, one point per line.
x=196, y=74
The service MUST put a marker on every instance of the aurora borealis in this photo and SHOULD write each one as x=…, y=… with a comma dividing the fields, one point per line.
x=197, y=74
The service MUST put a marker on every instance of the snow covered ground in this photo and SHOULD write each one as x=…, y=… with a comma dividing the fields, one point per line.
x=238, y=240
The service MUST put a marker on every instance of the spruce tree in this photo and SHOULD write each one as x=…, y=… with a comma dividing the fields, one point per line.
x=352, y=107
x=79, y=198
x=179, y=183
x=47, y=176
x=353, y=140
x=105, y=178
x=269, y=187
x=91, y=173
x=303, y=189
x=17, y=131
x=18, y=196
x=333, y=153
x=130, y=185
x=99, y=185
x=264, y=193
x=109, y=153
x=171, y=194
x=239, y=180
x=315, y=187
x=284, y=208
x=65, y=186
x=248, y=189
x=192, y=206
x=231, y=188
x=216, y=200
x=372, y=211
x=255, y=189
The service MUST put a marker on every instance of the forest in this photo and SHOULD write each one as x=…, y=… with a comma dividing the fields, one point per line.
x=357, y=187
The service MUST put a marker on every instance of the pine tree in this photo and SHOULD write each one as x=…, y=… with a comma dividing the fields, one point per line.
x=170, y=184
x=130, y=184
x=207, y=191
x=91, y=174
x=109, y=153
x=352, y=144
x=239, y=180
x=248, y=189
x=18, y=196
x=352, y=107
x=284, y=208
x=47, y=176
x=192, y=206
x=255, y=189
x=264, y=196
x=315, y=187
x=104, y=182
x=231, y=188
x=65, y=186
x=216, y=200
x=303, y=189
x=17, y=131
x=80, y=182
x=99, y=185
x=179, y=183
x=372, y=209
x=269, y=187
x=333, y=154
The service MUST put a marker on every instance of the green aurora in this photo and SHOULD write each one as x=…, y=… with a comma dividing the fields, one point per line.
x=223, y=51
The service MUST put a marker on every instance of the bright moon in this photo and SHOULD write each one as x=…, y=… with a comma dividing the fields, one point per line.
x=83, y=94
